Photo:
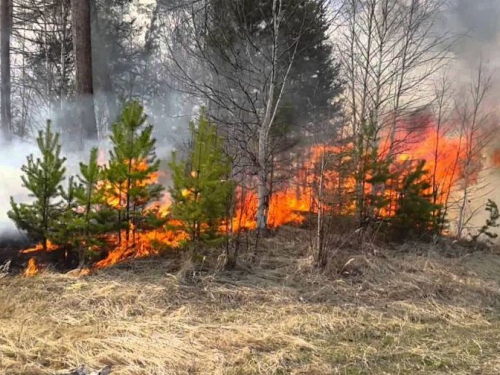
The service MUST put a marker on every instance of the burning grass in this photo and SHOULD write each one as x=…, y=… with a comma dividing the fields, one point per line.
x=403, y=314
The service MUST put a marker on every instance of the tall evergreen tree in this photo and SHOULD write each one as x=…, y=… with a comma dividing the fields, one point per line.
x=81, y=22
x=201, y=187
x=42, y=177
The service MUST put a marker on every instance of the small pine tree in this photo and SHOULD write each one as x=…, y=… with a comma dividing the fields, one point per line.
x=67, y=228
x=85, y=216
x=132, y=165
x=491, y=222
x=377, y=170
x=90, y=196
x=201, y=189
x=42, y=177
x=415, y=210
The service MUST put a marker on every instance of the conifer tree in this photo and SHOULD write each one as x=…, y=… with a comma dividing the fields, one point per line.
x=85, y=216
x=491, y=222
x=42, y=177
x=201, y=189
x=415, y=208
x=67, y=228
x=133, y=164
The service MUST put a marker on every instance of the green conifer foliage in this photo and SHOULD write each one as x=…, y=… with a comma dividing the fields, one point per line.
x=491, y=222
x=42, y=177
x=415, y=210
x=132, y=164
x=85, y=216
x=201, y=189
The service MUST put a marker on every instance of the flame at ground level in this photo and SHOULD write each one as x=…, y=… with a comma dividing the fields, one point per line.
x=142, y=244
x=32, y=268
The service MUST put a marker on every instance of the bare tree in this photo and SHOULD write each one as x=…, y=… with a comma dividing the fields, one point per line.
x=6, y=30
x=389, y=50
x=42, y=36
x=477, y=133
x=242, y=68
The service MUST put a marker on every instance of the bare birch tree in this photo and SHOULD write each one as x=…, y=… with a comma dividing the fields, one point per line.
x=477, y=132
x=242, y=68
x=389, y=50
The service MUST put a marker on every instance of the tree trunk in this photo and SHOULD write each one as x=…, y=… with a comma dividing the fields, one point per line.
x=80, y=11
x=320, y=248
x=262, y=188
x=6, y=30
x=101, y=58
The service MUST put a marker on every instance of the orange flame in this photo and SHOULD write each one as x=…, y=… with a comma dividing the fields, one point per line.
x=39, y=248
x=32, y=268
x=142, y=244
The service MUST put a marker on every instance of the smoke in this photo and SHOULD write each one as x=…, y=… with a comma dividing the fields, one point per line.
x=476, y=26
x=12, y=157
x=479, y=22
x=169, y=114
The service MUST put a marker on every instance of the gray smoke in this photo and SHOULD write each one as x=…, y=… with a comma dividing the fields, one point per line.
x=477, y=24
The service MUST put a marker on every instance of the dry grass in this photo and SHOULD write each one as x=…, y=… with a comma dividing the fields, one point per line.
x=405, y=314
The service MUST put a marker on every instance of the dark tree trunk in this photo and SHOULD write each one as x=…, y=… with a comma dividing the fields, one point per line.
x=80, y=11
x=6, y=30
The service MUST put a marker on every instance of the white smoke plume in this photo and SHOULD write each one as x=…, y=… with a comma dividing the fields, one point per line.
x=12, y=157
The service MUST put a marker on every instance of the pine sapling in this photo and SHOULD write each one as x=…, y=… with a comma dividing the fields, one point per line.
x=201, y=189
x=43, y=176
x=133, y=166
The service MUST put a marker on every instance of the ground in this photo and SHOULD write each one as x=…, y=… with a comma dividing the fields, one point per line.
x=400, y=311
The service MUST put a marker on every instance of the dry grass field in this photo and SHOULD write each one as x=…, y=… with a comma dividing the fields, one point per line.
x=400, y=313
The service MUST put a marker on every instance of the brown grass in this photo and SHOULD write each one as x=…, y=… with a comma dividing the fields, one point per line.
x=404, y=314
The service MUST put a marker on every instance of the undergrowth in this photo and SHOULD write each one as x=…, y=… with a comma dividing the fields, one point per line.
x=380, y=312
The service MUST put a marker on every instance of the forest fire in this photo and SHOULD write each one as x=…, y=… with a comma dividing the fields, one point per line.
x=318, y=182
x=441, y=154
